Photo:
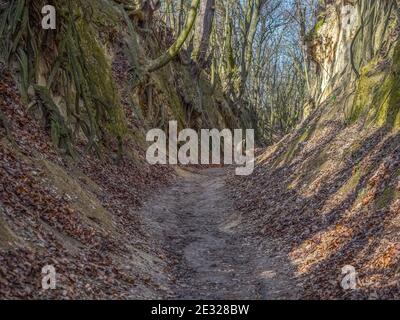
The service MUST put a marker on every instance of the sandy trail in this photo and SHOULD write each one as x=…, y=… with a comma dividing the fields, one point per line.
x=210, y=255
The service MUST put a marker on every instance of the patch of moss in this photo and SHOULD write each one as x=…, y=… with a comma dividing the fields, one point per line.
x=312, y=168
x=294, y=147
x=393, y=108
x=318, y=162
x=378, y=94
x=81, y=200
x=98, y=81
x=386, y=198
x=354, y=148
x=314, y=31
x=319, y=24
x=352, y=182
x=174, y=103
x=366, y=89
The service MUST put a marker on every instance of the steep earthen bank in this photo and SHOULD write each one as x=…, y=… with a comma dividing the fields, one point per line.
x=72, y=149
x=328, y=195
x=77, y=215
x=324, y=197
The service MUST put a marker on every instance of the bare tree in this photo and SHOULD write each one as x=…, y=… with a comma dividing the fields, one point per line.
x=203, y=30
x=173, y=51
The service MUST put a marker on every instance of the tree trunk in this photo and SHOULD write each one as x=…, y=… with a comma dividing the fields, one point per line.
x=247, y=54
x=204, y=26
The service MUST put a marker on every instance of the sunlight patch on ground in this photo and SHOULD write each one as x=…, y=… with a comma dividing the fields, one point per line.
x=320, y=247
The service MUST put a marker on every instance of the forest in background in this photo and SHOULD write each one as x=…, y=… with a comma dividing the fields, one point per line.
x=256, y=51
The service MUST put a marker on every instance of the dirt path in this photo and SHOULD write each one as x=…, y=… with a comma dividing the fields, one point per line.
x=211, y=257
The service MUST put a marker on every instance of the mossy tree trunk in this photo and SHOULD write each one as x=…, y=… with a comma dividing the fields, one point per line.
x=173, y=51
x=204, y=27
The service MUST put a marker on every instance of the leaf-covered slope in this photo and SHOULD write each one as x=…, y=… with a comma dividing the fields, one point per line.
x=77, y=215
x=328, y=195
x=72, y=121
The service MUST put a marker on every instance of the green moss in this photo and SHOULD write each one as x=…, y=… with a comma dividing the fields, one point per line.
x=174, y=103
x=312, y=168
x=217, y=115
x=362, y=192
x=396, y=123
x=354, y=148
x=317, y=163
x=282, y=159
x=378, y=94
x=386, y=198
x=393, y=108
x=78, y=70
x=294, y=146
x=319, y=25
x=192, y=100
x=352, y=182
x=82, y=200
x=289, y=155
x=98, y=81
x=366, y=89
